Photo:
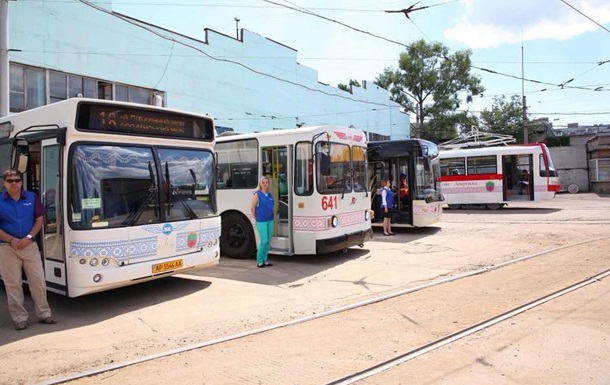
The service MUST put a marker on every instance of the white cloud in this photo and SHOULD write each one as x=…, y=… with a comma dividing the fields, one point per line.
x=492, y=23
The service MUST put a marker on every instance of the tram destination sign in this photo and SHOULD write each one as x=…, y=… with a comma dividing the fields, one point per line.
x=142, y=121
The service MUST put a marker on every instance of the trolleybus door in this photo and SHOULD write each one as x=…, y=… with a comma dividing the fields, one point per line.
x=52, y=230
x=277, y=166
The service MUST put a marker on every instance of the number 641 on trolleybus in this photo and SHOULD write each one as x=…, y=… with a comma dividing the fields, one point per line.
x=497, y=175
x=318, y=178
x=128, y=190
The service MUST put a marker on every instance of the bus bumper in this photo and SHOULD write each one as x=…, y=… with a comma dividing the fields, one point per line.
x=343, y=241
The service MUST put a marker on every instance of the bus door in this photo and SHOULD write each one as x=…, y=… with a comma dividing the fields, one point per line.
x=52, y=230
x=277, y=166
x=377, y=173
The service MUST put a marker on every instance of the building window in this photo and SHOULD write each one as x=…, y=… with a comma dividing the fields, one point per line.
x=28, y=88
x=58, y=87
x=599, y=170
x=17, y=88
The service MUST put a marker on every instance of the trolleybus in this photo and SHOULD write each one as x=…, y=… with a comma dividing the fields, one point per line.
x=128, y=190
x=318, y=178
x=497, y=175
x=413, y=168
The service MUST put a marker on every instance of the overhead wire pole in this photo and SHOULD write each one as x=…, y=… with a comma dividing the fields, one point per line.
x=4, y=70
x=525, y=136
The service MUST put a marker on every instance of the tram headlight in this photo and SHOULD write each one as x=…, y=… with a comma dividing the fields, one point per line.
x=97, y=278
x=93, y=262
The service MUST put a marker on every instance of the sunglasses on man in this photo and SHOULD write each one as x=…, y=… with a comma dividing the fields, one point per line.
x=12, y=180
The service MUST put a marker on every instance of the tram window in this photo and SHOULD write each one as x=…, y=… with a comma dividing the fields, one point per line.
x=482, y=165
x=453, y=166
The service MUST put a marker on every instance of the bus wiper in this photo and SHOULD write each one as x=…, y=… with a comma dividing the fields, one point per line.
x=173, y=191
x=133, y=218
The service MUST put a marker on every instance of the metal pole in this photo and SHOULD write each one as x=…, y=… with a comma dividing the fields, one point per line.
x=4, y=66
x=525, y=138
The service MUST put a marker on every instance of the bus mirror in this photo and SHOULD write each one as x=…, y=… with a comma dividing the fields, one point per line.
x=61, y=136
x=21, y=156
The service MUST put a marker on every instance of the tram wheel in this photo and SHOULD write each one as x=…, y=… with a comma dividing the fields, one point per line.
x=237, y=238
x=494, y=206
x=454, y=207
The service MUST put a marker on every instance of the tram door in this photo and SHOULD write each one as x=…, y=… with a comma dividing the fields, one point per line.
x=517, y=177
x=277, y=166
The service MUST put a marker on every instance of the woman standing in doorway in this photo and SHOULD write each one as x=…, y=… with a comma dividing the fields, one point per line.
x=262, y=211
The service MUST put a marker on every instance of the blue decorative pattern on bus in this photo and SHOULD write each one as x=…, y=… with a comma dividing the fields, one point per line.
x=183, y=241
x=121, y=250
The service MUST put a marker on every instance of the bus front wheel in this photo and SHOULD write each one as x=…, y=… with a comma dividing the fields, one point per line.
x=237, y=238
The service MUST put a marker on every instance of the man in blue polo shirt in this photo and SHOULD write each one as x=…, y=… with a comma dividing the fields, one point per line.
x=21, y=216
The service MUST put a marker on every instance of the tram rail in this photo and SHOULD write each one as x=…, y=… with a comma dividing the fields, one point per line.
x=96, y=374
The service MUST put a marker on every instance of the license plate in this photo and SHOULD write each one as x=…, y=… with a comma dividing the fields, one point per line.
x=166, y=266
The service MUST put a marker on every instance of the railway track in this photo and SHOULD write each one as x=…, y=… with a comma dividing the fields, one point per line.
x=348, y=344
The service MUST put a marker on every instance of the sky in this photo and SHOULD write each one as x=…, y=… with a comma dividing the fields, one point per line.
x=555, y=52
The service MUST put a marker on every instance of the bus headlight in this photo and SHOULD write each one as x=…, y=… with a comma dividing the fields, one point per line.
x=334, y=221
x=105, y=262
x=97, y=278
x=82, y=261
x=93, y=262
x=366, y=215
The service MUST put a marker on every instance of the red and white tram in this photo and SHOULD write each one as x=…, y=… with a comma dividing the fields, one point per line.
x=496, y=175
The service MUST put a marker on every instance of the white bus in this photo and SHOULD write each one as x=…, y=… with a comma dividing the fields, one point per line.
x=497, y=175
x=413, y=168
x=128, y=190
x=318, y=178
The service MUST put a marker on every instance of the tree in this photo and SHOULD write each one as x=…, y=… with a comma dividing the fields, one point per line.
x=429, y=81
x=506, y=117
x=443, y=127
x=348, y=87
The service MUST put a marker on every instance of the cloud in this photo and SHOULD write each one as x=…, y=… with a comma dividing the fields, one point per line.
x=492, y=23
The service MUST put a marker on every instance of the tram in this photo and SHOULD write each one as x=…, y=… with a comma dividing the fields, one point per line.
x=493, y=176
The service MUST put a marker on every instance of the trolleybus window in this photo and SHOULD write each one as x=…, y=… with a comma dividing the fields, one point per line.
x=237, y=164
x=338, y=177
x=359, y=165
x=303, y=169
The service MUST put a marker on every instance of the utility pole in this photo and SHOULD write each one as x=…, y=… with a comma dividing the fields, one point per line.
x=4, y=66
x=525, y=138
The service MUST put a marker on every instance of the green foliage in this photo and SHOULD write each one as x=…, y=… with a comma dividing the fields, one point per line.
x=444, y=127
x=429, y=82
x=348, y=87
x=557, y=141
x=506, y=117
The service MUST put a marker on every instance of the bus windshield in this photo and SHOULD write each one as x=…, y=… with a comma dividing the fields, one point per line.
x=426, y=167
x=118, y=186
